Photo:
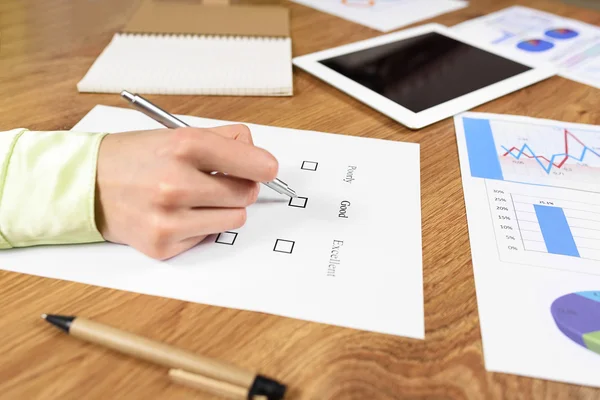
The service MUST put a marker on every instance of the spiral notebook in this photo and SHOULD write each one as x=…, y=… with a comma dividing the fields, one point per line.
x=189, y=48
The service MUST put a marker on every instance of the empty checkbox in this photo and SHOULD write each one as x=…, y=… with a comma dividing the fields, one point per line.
x=226, y=238
x=310, y=165
x=299, y=202
x=284, y=246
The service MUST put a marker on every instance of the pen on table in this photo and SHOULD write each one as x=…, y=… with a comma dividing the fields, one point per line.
x=170, y=121
x=184, y=367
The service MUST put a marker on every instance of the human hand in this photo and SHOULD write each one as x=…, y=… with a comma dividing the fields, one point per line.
x=155, y=191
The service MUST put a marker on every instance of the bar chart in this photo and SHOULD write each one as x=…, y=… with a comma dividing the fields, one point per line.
x=544, y=225
x=538, y=154
x=555, y=229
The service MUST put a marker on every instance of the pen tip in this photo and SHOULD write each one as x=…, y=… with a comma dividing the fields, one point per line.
x=44, y=316
x=127, y=95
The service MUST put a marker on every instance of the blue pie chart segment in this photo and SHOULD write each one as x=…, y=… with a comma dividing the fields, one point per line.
x=535, y=45
x=562, y=33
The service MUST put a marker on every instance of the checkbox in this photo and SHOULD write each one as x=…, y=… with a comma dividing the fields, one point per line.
x=310, y=165
x=226, y=238
x=284, y=246
x=298, y=202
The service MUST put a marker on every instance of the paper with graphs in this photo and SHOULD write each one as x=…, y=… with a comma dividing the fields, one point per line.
x=532, y=193
x=347, y=252
x=385, y=15
x=572, y=46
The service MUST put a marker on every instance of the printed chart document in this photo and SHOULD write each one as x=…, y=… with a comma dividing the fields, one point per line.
x=385, y=15
x=568, y=44
x=347, y=252
x=532, y=192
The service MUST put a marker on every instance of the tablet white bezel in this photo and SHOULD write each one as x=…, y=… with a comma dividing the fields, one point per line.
x=310, y=63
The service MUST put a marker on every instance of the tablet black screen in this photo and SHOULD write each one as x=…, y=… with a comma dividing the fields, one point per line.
x=424, y=71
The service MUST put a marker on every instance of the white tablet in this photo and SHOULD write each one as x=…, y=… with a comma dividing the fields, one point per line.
x=422, y=75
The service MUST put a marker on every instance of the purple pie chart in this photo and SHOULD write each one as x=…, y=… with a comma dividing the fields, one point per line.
x=577, y=315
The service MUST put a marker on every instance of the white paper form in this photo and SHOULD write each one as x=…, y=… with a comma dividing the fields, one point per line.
x=568, y=44
x=347, y=253
x=532, y=193
x=385, y=15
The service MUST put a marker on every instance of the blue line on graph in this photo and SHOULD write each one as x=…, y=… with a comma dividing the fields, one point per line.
x=551, y=163
x=555, y=230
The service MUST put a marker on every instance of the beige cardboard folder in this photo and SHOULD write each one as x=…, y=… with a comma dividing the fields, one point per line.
x=184, y=17
x=191, y=47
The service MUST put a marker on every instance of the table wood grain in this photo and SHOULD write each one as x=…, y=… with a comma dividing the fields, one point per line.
x=45, y=49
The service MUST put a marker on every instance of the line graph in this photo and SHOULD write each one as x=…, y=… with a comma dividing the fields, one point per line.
x=565, y=155
x=538, y=154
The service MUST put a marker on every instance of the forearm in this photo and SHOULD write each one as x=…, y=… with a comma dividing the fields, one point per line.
x=47, y=188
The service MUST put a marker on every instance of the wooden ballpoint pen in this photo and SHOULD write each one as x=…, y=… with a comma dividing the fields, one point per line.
x=186, y=368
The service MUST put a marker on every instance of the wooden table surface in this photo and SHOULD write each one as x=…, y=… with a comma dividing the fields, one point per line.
x=45, y=49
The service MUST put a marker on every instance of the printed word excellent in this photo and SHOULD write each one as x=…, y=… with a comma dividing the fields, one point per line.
x=334, y=257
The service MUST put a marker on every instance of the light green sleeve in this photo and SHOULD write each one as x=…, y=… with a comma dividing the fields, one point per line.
x=47, y=188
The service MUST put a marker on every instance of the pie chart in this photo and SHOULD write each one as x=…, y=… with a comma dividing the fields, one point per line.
x=561, y=33
x=577, y=315
x=535, y=45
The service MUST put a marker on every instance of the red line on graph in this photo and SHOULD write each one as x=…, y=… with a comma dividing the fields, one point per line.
x=564, y=160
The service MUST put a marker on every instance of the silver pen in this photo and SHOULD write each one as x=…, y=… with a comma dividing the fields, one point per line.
x=170, y=121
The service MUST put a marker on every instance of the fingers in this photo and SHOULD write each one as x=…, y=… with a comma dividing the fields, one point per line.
x=209, y=152
x=183, y=224
x=174, y=249
x=170, y=233
x=207, y=221
x=236, y=132
x=172, y=200
x=191, y=188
